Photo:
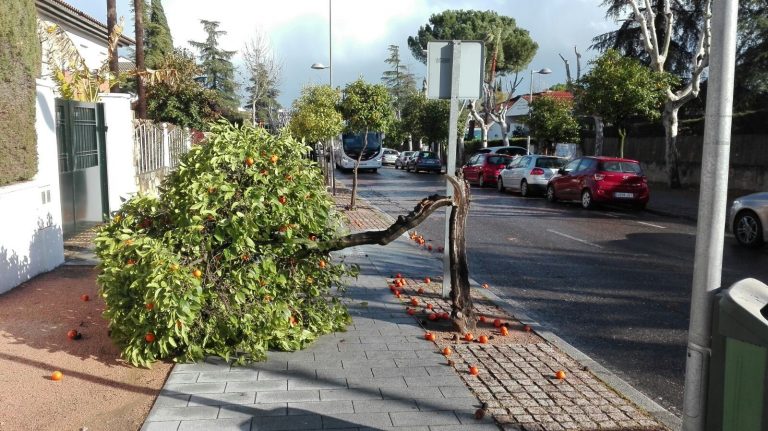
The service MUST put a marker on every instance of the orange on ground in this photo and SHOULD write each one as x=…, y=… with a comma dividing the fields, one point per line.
x=482, y=339
x=474, y=370
x=504, y=330
x=468, y=336
x=560, y=375
x=56, y=376
x=429, y=336
x=447, y=351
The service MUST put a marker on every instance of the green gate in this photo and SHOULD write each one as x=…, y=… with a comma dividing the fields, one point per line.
x=80, y=135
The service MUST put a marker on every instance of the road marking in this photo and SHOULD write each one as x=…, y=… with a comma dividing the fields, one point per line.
x=574, y=238
x=614, y=215
x=652, y=225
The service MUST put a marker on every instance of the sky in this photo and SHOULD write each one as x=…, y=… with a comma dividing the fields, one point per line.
x=361, y=31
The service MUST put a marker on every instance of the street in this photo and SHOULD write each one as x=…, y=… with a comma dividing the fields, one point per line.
x=613, y=282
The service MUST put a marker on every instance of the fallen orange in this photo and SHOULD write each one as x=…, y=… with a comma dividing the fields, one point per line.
x=560, y=375
x=56, y=376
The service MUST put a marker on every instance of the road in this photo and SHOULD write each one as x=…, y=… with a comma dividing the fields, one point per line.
x=615, y=283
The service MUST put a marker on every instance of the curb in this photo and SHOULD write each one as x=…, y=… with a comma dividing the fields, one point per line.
x=606, y=376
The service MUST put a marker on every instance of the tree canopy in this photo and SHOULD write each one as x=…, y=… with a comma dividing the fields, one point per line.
x=513, y=45
x=158, y=41
x=552, y=120
x=216, y=64
x=315, y=117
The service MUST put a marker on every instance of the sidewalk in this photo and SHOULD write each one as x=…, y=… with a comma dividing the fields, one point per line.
x=383, y=375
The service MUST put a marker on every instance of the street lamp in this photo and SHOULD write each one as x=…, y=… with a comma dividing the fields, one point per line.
x=543, y=71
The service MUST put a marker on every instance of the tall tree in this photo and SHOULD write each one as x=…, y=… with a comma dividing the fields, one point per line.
x=216, y=64
x=552, y=121
x=114, y=68
x=751, y=86
x=671, y=36
x=138, y=14
x=263, y=71
x=158, y=41
x=401, y=83
x=620, y=88
x=510, y=50
x=366, y=108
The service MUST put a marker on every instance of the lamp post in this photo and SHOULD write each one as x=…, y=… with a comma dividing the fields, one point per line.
x=321, y=66
x=543, y=71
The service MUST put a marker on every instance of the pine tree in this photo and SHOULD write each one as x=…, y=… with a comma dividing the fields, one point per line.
x=216, y=64
x=157, y=39
x=398, y=79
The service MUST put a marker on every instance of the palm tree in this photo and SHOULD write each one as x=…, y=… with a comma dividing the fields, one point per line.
x=138, y=13
x=111, y=23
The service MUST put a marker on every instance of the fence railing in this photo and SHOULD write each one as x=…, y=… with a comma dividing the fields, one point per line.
x=157, y=149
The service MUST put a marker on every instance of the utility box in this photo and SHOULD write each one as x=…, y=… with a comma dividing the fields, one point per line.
x=738, y=386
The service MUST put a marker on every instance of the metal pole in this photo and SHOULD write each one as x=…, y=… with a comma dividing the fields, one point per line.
x=708, y=260
x=330, y=83
x=530, y=99
x=450, y=170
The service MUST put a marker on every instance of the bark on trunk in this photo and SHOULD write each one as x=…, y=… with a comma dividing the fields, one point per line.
x=462, y=313
x=599, y=135
x=672, y=156
x=141, y=105
x=113, y=60
x=354, y=176
x=622, y=139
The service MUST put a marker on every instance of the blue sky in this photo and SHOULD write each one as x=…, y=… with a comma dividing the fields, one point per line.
x=298, y=32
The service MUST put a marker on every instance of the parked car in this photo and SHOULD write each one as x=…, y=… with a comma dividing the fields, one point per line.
x=748, y=219
x=483, y=168
x=509, y=150
x=390, y=156
x=592, y=180
x=424, y=161
x=402, y=159
x=529, y=174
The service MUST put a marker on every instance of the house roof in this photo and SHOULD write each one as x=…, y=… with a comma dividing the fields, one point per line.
x=562, y=95
x=65, y=14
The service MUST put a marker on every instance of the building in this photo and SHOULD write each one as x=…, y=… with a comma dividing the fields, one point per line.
x=517, y=111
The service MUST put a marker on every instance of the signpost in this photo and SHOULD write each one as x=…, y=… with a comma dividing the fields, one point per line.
x=454, y=71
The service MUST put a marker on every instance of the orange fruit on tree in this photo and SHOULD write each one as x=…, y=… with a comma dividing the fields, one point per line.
x=447, y=351
x=560, y=375
x=197, y=273
x=150, y=337
x=482, y=339
x=282, y=200
x=57, y=376
x=149, y=305
x=274, y=159
x=468, y=336
x=249, y=161
x=429, y=336
x=321, y=264
x=474, y=370
x=504, y=330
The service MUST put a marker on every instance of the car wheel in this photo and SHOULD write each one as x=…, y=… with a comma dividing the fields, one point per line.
x=524, y=188
x=748, y=230
x=481, y=181
x=551, y=193
x=500, y=185
x=586, y=200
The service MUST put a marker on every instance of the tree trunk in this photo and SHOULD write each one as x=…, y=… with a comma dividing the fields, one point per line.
x=671, y=154
x=410, y=142
x=462, y=313
x=357, y=165
x=114, y=68
x=504, y=131
x=622, y=138
x=599, y=134
x=141, y=104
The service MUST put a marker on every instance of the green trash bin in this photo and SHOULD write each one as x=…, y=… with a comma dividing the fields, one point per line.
x=738, y=386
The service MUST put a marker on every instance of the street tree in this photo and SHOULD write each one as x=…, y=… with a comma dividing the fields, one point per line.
x=619, y=88
x=262, y=71
x=366, y=108
x=671, y=36
x=401, y=83
x=315, y=115
x=509, y=49
x=216, y=64
x=751, y=85
x=158, y=41
x=552, y=120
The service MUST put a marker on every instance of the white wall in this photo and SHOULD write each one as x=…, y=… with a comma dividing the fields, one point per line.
x=121, y=172
x=93, y=51
x=31, y=240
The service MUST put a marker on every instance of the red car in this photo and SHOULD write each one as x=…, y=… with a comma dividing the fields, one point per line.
x=593, y=180
x=484, y=168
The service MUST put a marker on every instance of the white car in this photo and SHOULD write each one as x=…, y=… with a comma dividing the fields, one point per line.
x=390, y=156
x=529, y=174
x=402, y=159
x=748, y=219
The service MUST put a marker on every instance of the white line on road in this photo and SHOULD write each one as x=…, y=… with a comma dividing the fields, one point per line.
x=574, y=238
x=652, y=225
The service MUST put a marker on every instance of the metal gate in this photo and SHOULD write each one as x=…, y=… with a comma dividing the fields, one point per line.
x=80, y=135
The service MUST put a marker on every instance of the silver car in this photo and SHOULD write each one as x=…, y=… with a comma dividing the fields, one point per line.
x=390, y=156
x=402, y=159
x=529, y=174
x=748, y=219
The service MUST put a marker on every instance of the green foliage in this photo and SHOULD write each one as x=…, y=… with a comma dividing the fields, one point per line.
x=366, y=107
x=216, y=64
x=315, y=117
x=434, y=120
x=515, y=46
x=238, y=209
x=19, y=65
x=180, y=99
x=552, y=120
x=158, y=41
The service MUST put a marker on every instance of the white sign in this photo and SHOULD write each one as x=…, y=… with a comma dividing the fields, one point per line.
x=439, y=66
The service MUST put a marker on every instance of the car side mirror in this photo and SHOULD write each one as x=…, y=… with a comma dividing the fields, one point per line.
x=562, y=171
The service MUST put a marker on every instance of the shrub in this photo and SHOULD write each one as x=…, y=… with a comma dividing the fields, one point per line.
x=210, y=267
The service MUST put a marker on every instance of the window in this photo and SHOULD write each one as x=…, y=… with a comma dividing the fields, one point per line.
x=513, y=151
x=498, y=160
x=549, y=162
x=473, y=160
x=587, y=165
x=571, y=167
x=427, y=155
x=623, y=167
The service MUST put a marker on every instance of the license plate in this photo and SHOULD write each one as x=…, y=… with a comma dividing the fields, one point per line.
x=624, y=195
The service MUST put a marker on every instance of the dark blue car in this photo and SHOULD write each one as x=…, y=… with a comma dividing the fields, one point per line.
x=425, y=161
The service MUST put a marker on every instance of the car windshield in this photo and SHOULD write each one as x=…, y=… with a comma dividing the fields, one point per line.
x=498, y=160
x=621, y=166
x=427, y=155
x=355, y=142
x=549, y=162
